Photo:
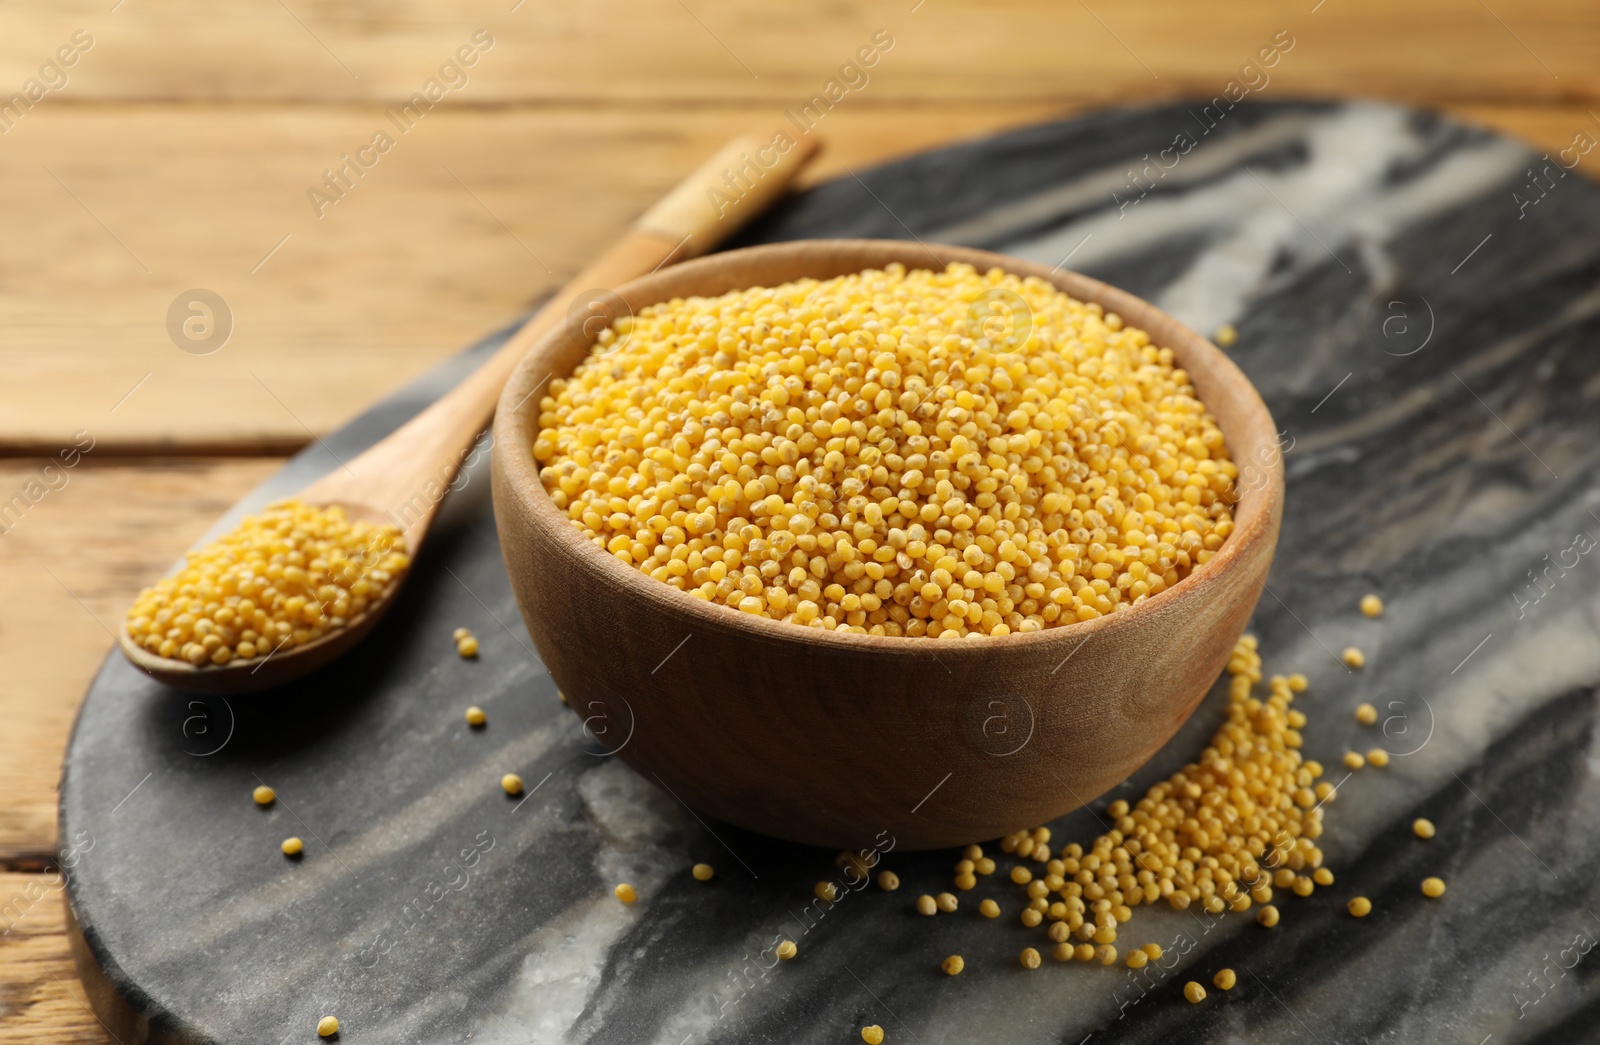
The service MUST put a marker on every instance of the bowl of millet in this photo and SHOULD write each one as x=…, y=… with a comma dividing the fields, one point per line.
x=845, y=541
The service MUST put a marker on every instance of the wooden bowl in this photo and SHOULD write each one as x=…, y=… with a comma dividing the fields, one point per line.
x=848, y=740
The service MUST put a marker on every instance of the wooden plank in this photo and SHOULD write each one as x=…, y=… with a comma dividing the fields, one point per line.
x=41, y=1000
x=458, y=228
x=719, y=50
x=69, y=566
x=456, y=231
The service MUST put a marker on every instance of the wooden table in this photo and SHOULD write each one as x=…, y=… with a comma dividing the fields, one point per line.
x=174, y=145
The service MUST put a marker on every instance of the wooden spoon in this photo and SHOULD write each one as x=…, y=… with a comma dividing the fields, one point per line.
x=402, y=478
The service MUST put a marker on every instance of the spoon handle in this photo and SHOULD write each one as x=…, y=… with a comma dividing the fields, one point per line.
x=404, y=477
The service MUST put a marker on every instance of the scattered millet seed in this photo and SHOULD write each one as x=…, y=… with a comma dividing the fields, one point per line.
x=965, y=866
x=972, y=852
x=1061, y=952
x=787, y=950
x=856, y=421
x=1105, y=954
x=1030, y=958
x=1194, y=993
x=278, y=580
x=1021, y=875
x=1360, y=907
x=1366, y=714
x=626, y=893
x=984, y=865
x=467, y=648
x=1031, y=917
x=1371, y=605
x=1225, y=980
x=1152, y=951
x=1433, y=887
x=328, y=1026
x=292, y=847
x=953, y=965
x=476, y=716
x=989, y=909
x=965, y=882
x=1353, y=760
x=1084, y=952
x=1325, y=791
x=1267, y=916
x=512, y=783
x=702, y=872
x=872, y=1035
x=1298, y=683
x=1353, y=658
x=1422, y=827
x=1378, y=757
x=264, y=795
x=947, y=902
x=1226, y=335
x=1322, y=876
x=927, y=905
x=1303, y=886
x=826, y=891
x=459, y=634
x=888, y=881
x=1137, y=959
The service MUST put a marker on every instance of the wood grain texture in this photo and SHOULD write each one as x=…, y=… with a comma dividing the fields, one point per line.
x=41, y=1000
x=724, y=50
x=763, y=724
x=68, y=570
x=463, y=225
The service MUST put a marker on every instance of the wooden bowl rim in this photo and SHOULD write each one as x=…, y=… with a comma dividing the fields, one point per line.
x=1254, y=513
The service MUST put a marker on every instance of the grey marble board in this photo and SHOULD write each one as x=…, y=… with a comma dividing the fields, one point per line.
x=1426, y=337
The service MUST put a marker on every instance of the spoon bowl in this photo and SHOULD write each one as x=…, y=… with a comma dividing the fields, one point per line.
x=848, y=740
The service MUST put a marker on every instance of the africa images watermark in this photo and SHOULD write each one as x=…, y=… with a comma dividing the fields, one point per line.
x=338, y=181
x=1253, y=77
x=852, y=76
x=51, y=477
x=52, y=77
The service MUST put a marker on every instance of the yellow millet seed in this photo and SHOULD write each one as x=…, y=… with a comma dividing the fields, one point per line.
x=512, y=784
x=1378, y=757
x=787, y=950
x=1360, y=907
x=1267, y=916
x=888, y=881
x=989, y=909
x=702, y=872
x=1152, y=951
x=1031, y=917
x=872, y=1035
x=984, y=865
x=626, y=893
x=1422, y=827
x=1105, y=954
x=280, y=579
x=1194, y=993
x=1353, y=658
x=264, y=795
x=972, y=852
x=1433, y=887
x=826, y=891
x=292, y=847
x=1062, y=952
x=861, y=453
x=1030, y=958
x=1021, y=875
x=1322, y=876
x=476, y=716
x=1226, y=335
x=1353, y=760
x=953, y=965
x=459, y=634
x=1137, y=959
x=1225, y=980
x=467, y=648
x=966, y=881
x=927, y=904
x=1366, y=714
x=1084, y=952
x=1371, y=605
x=328, y=1026
x=947, y=902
